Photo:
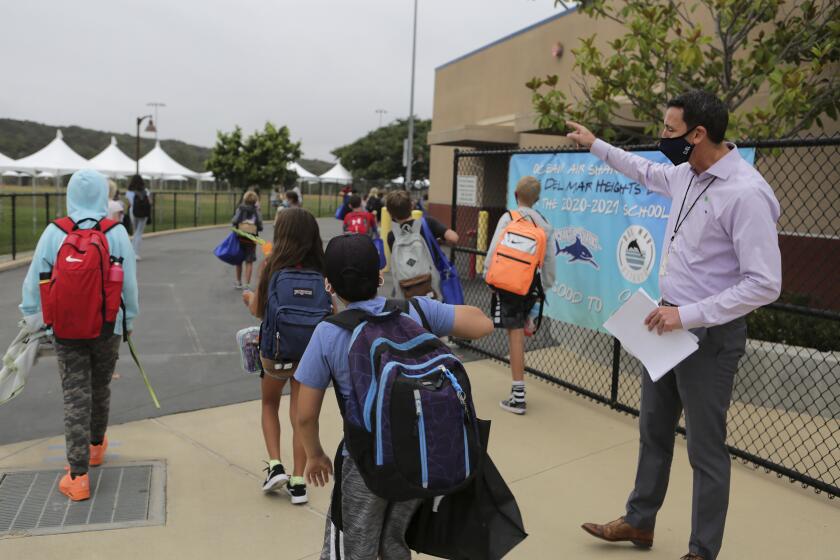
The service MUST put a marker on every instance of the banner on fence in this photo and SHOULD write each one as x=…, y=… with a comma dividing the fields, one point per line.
x=608, y=232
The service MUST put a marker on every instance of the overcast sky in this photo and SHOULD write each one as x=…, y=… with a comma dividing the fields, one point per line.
x=322, y=67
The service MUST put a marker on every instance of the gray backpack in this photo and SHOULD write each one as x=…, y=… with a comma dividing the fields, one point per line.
x=411, y=262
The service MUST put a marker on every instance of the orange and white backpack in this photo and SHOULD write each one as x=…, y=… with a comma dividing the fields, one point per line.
x=518, y=257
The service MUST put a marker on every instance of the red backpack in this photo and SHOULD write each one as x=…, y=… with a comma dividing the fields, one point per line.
x=357, y=221
x=81, y=296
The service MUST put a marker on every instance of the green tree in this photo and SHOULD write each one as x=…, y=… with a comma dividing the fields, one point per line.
x=788, y=50
x=260, y=160
x=227, y=159
x=267, y=154
x=378, y=154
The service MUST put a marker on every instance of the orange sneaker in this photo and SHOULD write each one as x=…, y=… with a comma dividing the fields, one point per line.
x=97, y=453
x=77, y=489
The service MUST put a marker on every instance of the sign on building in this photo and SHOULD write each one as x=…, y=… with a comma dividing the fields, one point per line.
x=467, y=186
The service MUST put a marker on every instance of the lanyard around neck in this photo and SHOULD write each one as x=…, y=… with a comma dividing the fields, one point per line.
x=690, y=208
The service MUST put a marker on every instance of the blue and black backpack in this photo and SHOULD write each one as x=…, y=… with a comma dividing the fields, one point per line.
x=409, y=422
x=297, y=302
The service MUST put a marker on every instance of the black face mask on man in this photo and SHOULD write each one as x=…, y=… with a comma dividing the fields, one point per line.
x=677, y=149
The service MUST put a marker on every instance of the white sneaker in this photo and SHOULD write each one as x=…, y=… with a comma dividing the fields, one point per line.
x=237, y=285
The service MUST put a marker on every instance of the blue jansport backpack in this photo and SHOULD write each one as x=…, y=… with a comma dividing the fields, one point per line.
x=297, y=302
x=409, y=422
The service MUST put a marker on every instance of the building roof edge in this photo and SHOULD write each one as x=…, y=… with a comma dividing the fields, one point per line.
x=508, y=37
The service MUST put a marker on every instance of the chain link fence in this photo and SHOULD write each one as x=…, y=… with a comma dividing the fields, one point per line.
x=785, y=411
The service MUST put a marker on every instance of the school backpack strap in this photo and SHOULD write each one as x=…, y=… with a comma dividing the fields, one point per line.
x=107, y=224
x=65, y=224
x=420, y=313
x=349, y=319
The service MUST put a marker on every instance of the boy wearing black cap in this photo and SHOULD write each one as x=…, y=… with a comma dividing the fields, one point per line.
x=372, y=526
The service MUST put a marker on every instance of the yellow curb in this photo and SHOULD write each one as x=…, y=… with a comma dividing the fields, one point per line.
x=18, y=263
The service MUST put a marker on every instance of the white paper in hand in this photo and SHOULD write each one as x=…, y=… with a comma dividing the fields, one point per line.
x=658, y=352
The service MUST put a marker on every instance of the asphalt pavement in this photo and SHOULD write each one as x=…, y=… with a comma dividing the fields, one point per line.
x=189, y=315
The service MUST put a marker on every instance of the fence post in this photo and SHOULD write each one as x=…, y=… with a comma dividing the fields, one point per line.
x=215, y=207
x=14, y=226
x=195, y=210
x=454, y=208
x=615, y=366
x=320, y=193
x=46, y=209
x=174, y=210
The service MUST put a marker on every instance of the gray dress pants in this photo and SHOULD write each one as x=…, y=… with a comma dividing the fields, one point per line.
x=701, y=386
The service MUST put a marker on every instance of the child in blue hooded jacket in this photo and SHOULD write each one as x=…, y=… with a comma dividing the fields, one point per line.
x=86, y=366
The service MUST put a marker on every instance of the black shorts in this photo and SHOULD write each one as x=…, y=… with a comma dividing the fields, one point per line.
x=250, y=250
x=509, y=311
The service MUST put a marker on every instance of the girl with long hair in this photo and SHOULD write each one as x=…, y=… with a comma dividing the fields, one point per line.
x=297, y=244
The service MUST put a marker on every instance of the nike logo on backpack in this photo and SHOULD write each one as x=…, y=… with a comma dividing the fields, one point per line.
x=72, y=259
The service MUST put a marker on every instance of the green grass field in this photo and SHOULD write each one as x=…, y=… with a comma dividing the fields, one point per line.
x=172, y=210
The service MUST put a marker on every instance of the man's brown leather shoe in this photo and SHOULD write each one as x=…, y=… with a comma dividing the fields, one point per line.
x=691, y=556
x=620, y=531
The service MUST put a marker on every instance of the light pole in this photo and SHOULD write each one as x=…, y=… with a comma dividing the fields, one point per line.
x=149, y=128
x=156, y=104
x=381, y=112
x=410, y=142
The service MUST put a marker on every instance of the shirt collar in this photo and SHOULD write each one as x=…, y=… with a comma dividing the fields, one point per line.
x=725, y=166
x=367, y=304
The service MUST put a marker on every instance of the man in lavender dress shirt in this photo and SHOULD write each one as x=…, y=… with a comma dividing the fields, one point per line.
x=720, y=261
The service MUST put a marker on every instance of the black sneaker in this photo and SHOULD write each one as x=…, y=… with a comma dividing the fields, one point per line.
x=275, y=478
x=298, y=493
x=513, y=406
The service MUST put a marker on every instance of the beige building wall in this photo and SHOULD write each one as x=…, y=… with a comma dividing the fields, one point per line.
x=481, y=101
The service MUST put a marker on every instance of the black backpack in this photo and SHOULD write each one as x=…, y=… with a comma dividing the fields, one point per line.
x=409, y=421
x=142, y=207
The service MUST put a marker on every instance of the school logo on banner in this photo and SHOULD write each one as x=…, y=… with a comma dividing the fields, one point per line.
x=578, y=244
x=636, y=254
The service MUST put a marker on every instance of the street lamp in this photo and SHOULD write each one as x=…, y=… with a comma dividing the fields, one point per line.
x=381, y=112
x=156, y=104
x=149, y=128
x=410, y=141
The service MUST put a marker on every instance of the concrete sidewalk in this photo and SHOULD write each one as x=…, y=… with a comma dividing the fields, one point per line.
x=567, y=461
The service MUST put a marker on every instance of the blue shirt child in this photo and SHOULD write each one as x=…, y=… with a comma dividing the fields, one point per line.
x=326, y=356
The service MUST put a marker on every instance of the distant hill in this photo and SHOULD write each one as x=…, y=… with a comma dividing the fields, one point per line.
x=21, y=138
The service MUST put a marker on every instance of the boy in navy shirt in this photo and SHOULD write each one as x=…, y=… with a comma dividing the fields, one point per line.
x=371, y=526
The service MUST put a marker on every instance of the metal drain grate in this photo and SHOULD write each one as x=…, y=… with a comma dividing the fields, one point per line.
x=120, y=496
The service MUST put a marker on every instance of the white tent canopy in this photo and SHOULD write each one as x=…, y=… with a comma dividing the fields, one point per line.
x=206, y=177
x=113, y=161
x=56, y=157
x=7, y=163
x=160, y=165
x=338, y=174
x=301, y=172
